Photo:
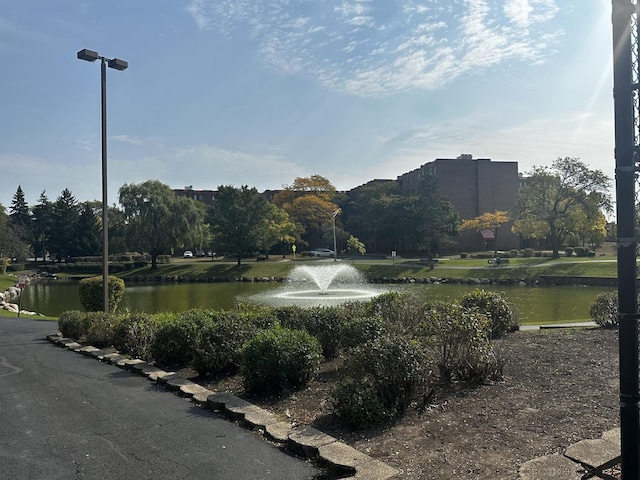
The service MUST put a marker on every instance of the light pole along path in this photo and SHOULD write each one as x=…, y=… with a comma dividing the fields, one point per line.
x=117, y=64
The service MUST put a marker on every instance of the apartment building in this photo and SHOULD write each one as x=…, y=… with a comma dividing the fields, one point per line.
x=473, y=186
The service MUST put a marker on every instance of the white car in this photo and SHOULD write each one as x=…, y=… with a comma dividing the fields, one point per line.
x=321, y=252
x=187, y=254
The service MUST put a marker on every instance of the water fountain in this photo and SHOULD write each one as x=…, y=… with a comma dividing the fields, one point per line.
x=331, y=284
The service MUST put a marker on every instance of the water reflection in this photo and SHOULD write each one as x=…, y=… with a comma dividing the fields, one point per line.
x=535, y=304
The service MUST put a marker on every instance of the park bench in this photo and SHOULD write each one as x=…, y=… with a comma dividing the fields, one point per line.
x=497, y=261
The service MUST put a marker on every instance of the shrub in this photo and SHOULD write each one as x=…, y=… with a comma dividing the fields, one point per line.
x=174, y=340
x=73, y=324
x=163, y=259
x=219, y=341
x=503, y=318
x=604, y=309
x=459, y=341
x=401, y=312
x=280, y=358
x=568, y=251
x=100, y=330
x=134, y=334
x=324, y=323
x=359, y=330
x=390, y=370
x=357, y=403
x=581, y=251
x=91, y=295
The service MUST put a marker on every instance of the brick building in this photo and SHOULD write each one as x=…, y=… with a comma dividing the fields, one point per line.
x=473, y=186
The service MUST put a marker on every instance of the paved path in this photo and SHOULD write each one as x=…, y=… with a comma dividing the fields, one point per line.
x=66, y=416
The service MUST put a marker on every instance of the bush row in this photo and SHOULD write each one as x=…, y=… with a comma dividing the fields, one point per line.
x=90, y=267
x=396, y=347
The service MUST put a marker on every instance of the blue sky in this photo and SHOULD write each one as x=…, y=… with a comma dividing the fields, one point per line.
x=259, y=92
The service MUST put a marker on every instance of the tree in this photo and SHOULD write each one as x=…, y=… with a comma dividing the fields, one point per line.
x=157, y=220
x=439, y=219
x=355, y=246
x=362, y=210
x=238, y=220
x=487, y=221
x=88, y=231
x=553, y=203
x=276, y=228
x=20, y=216
x=309, y=202
x=314, y=185
x=65, y=214
x=11, y=246
x=42, y=213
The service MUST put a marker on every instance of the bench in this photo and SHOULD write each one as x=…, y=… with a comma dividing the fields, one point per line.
x=497, y=261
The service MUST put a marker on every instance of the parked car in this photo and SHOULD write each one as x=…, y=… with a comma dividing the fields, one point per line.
x=187, y=254
x=321, y=252
x=200, y=253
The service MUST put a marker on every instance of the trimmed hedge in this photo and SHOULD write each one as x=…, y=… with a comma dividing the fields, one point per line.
x=219, y=341
x=91, y=294
x=279, y=358
x=381, y=379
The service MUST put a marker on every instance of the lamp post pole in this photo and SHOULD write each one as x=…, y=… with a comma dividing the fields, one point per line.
x=116, y=64
x=335, y=250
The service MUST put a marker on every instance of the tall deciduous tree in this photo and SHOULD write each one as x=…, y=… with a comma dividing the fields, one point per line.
x=238, y=220
x=487, y=221
x=556, y=199
x=276, y=228
x=156, y=219
x=309, y=201
x=11, y=246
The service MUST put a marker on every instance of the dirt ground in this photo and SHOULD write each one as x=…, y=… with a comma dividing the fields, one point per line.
x=560, y=386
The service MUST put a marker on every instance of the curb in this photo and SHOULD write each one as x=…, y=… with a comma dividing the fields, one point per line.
x=339, y=459
x=585, y=459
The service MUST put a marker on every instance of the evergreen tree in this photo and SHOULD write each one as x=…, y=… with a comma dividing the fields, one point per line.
x=42, y=213
x=64, y=226
x=88, y=232
x=19, y=216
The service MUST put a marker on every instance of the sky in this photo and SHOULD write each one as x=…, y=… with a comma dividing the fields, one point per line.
x=260, y=92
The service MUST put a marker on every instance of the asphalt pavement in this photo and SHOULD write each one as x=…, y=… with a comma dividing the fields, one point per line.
x=68, y=416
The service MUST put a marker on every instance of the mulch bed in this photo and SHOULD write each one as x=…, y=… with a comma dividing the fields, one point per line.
x=560, y=386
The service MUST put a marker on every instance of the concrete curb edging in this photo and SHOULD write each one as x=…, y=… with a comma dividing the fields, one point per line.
x=338, y=458
x=585, y=459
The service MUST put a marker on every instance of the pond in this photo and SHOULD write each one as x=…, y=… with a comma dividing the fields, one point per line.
x=536, y=304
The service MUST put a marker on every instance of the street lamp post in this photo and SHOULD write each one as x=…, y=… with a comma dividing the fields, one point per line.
x=117, y=64
x=335, y=251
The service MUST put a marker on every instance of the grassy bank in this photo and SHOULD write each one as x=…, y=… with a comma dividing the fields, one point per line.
x=528, y=269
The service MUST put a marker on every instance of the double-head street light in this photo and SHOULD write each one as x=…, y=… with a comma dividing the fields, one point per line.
x=117, y=64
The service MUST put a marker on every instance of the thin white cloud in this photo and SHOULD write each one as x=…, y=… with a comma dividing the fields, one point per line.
x=377, y=47
x=128, y=139
x=213, y=166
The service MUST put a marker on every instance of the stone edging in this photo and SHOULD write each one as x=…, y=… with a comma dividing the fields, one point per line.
x=336, y=457
x=585, y=459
